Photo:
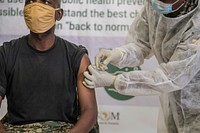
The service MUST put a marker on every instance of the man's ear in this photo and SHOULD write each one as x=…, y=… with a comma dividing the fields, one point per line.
x=59, y=14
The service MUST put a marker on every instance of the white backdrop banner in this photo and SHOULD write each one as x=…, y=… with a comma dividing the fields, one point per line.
x=94, y=24
x=81, y=17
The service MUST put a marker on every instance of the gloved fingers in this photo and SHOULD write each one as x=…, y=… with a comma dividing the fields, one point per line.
x=88, y=86
x=93, y=71
x=89, y=78
x=104, y=63
x=87, y=75
x=102, y=67
x=89, y=82
x=101, y=56
x=98, y=58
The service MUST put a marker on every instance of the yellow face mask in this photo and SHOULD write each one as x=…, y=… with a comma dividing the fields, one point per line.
x=39, y=17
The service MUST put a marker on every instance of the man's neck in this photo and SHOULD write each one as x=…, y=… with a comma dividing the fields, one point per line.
x=41, y=41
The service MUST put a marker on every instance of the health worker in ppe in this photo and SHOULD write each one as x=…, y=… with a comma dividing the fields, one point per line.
x=169, y=30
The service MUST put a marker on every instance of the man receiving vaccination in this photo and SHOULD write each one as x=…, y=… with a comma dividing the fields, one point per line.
x=41, y=76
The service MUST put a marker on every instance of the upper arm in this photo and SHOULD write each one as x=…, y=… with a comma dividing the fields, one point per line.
x=86, y=96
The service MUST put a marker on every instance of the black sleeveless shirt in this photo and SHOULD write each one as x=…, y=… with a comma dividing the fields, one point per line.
x=40, y=85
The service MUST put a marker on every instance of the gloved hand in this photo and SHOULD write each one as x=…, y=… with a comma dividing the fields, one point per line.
x=105, y=56
x=95, y=78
